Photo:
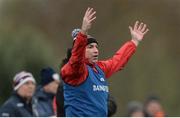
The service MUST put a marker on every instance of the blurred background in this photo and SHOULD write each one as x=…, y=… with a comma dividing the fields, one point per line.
x=36, y=33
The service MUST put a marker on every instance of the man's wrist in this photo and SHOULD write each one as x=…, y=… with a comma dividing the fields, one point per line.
x=84, y=32
x=136, y=42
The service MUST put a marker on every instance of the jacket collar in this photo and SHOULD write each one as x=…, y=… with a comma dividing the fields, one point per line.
x=22, y=99
x=40, y=93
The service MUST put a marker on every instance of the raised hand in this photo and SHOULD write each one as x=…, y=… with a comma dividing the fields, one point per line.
x=138, y=32
x=89, y=17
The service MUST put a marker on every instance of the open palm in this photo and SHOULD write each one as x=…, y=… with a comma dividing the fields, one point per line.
x=138, y=31
x=89, y=17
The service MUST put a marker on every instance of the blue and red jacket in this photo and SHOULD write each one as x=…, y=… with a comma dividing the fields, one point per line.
x=85, y=86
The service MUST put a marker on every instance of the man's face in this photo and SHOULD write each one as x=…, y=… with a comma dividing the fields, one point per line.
x=27, y=89
x=92, y=52
x=52, y=87
x=153, y=107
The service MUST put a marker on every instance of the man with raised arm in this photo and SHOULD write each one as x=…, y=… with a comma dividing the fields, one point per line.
x=85, y=85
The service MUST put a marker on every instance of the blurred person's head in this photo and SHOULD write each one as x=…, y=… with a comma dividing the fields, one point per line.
x=24, y=84
x=153, y=107
x=135, y=109
x=49, y=80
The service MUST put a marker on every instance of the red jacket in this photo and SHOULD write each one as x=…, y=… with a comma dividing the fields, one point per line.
x=75, y=71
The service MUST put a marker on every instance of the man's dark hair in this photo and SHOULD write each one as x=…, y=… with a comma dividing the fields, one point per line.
x=66, y=59
x=152, y=98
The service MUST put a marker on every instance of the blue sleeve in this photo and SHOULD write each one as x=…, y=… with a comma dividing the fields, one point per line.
x=7, y=110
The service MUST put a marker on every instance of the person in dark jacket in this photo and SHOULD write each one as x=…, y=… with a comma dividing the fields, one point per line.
x=20, y=104
x=46, y=91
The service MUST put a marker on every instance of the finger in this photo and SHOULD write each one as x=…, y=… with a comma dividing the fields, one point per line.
x=92, y=14
x=92, y=19
x=136, y=24
x=130, y=28
x=87, y=11
x=145, y=31
x=140, y=26
x=144, y=27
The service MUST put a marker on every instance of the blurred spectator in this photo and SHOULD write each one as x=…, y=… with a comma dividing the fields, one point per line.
x=46, y=91
x=135, y=109
x=20, y=104
x=153, y=107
